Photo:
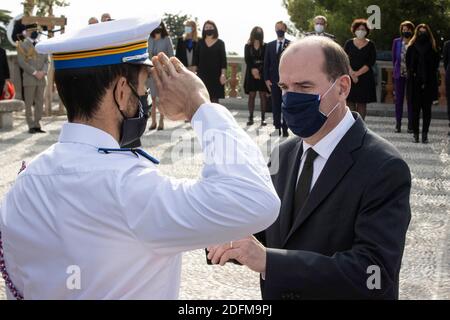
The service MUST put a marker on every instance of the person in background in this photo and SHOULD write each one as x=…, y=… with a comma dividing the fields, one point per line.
x=320, y=24
x=363, y=55
x=211, y=61
x=187, y=45
x=35, y=67
x=254, y=82
x=274, y=50
x=399, y=47
x=106, y=17
x=422, y=62
x=447, y=77
x=4, y=74
x=159, y=41
x=93, y=20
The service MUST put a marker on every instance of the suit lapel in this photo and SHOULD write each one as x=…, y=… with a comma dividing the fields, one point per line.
x=291, y=175
x=336, y=168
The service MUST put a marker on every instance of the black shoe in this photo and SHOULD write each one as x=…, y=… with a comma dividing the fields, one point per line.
x=425, y=138
x=285, y=133
x=398, y=130
x=410, y=131
x=32, y=130
x=416, y=138
x=263, y=123
x=39, y=130
x=250, y=121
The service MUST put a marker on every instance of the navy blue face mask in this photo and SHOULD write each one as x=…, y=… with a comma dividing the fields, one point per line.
x=302, y=113
x=133, y=128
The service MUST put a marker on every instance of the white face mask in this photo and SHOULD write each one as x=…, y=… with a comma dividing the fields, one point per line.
x=360, y=34
x=187, y=29
x=319, y=28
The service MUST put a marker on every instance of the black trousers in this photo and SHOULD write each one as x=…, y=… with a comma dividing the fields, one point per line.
x=421, y=103
x=278, y=120
x=447, y=87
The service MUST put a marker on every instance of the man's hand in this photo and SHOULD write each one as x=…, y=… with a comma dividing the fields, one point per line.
x=249, y=252
x=180, y=91
x=269, y=85
x=40, y=75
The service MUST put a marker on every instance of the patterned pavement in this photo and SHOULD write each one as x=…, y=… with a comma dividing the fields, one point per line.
x=426, y=265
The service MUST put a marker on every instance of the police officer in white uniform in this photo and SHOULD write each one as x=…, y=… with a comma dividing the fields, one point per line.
x=89, y=220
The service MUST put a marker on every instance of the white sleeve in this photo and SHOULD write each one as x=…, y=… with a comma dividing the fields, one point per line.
x=234, y=197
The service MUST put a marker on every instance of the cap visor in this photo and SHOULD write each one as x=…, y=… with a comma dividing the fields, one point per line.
x=147, y=62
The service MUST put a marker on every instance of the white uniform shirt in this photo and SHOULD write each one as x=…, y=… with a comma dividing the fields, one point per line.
x=121, y=222
x=326, y=146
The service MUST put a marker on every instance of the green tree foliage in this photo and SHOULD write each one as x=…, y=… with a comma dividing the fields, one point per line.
x=175, y=25
x=45, y=7
x=341, y=13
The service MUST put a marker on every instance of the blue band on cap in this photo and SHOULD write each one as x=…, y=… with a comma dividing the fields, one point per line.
x=102, y=60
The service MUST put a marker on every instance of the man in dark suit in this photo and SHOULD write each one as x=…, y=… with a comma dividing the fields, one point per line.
x=273, y=53
x=344, y=191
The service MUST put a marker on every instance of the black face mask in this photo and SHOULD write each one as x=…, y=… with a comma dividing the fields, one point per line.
x=34, y=35
x=281, y=33
x=259, y=36
x=407, y=34
x=133, y=128
x=423, y=37
x=209, y=32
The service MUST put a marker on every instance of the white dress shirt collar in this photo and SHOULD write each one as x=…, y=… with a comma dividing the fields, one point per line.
x=326, y=146
x=84, y=134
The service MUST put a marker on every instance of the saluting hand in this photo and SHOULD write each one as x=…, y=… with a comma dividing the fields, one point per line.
x=181, y=92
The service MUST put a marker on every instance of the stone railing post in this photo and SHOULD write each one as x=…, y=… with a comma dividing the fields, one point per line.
x=234, y=81
x=389, y=86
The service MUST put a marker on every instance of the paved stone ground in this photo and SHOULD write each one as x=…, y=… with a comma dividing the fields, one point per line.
x=426, y=264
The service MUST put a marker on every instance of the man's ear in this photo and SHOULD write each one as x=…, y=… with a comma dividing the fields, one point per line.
x=345, y=86
x=122, y=93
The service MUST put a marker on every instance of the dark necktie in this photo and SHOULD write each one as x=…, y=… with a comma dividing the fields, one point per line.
x=304, y=184
x=280, y=47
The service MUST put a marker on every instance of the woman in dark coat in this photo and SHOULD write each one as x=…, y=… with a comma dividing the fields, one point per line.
x=363, y=55
x=254, y=82
x=422, y=62
x=211, y=61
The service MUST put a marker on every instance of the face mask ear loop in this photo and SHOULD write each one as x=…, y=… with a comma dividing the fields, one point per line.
x=328, y=91
x=337, y=105
x=117, y=104
x=141, y=107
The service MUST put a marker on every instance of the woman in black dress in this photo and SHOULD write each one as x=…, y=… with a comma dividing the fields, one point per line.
x=187, y=45
x=422, y=63
x=211, y=61
x=254, y=82
x=363, y=55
